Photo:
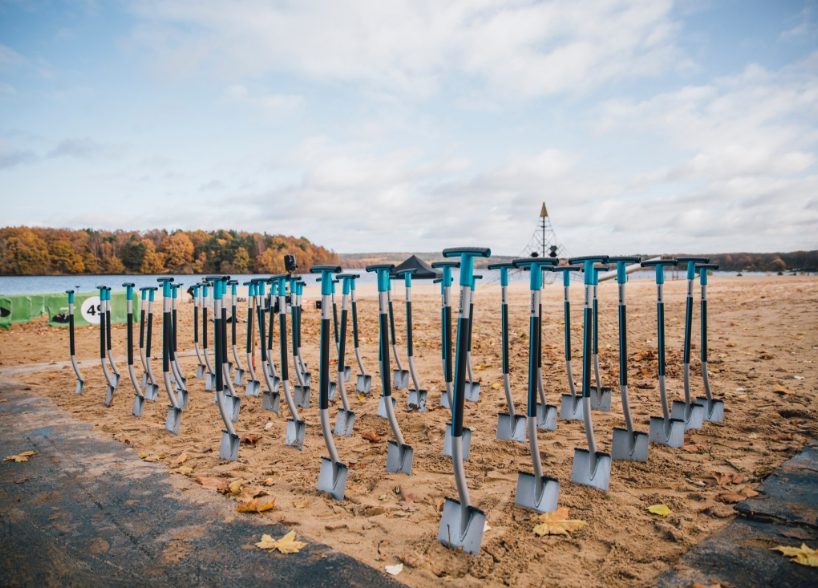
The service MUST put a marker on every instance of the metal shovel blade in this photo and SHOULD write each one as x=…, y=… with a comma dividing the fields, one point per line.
x=332, y=388
x=461, y=526
x=229, y=447
x=80, y=384
x=400, y=379
x=307, y=377
x=238, y=376
x=116, y=377
x=670, y=433
x=472, y=391
x=201, y=369
x=302, y=396
x=252, y=388
x=571, y=407
x=546, y=417
x=271, y=401
x=210, y=382
x=332, y=478
x=447, y=442
x=591, y=469
x=527, y=495
x=347, y=373
x=109, y=396
x=713, y=409
x=138, y=405
x=444, y=400
x=151, y=392
x=692, y=414
x=417, y=400
x=295, y=433
x=173, y=420
x=399, y=458
x=234, y=404
x=364, y=384
x=601, y=399
x=182, y=396
x=344, y=423
x=382, y=406
x=629, y=446
x=510, y=428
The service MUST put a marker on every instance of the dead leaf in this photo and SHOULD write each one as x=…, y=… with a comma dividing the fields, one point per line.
x=557, y=523
x=803, y=555
x=700, y=585
x=495, y=386
x=268, y=481
x=372, y=437
x=659, y=509
x=213, y=484
x=779, y=389
x=181, y=459
x=231, y=489
x=250, y=439
x=185, y=470
x=747, y=492
x=255, y=506
x=268, y=426
x=301, y=503
x=729, y=497
x=287, y=544
x=20, y=457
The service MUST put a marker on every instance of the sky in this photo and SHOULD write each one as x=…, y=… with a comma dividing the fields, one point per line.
x=646, y=126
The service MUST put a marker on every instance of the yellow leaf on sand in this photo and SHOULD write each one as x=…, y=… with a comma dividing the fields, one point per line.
x=143, y=454
x=659, y=509
x=235, y=488
x=395, y=569
x=287, y=544
x=803, y=555
x=255, y=506
x=557, y=523
x=20, y=457
x=495, y=386
x=185, y=470
x=182, y=459
x=301, y=503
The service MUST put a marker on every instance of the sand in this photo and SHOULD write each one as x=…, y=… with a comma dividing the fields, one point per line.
x=763, y=342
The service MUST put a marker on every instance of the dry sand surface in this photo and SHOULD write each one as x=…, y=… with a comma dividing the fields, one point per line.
x=763, y=342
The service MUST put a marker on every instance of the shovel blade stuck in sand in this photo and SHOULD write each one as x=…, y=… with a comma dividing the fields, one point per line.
x=571, y=407
x=472, y=391
x=444, y=400
x=302, y=396
x=109, y=396
x=629, y=445
x=601, y=398
x=182, y=397
x=295, y=433
x=399, y=458
x=692, y=414
x=447, y=442
x=461, y=527
x=713, y=409
x=201, y=370
x=591, y=469
x=210, y=382
x=670, y=433
x=238, y=376
x=271, y=401
x=173, y=420
x=234, y=406
x=539, y=495
x=332, y=388
x=151, y=392
x=229, y=447
x=416, y=400
x=138, y=405
x=347, y=373
x=400, y=379
x=364, y=384
x=510, y=427
x=382, y=412
x=344, y=423
x=80, y=385
x=332, y=478
x=546, y=417
x=252, y=388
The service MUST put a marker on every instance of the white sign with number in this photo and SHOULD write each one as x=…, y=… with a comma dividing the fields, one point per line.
x=90, y=309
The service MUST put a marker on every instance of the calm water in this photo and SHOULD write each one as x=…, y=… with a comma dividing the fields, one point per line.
x=82, y=283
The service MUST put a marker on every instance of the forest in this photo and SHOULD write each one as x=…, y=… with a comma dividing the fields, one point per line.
x=49, y=251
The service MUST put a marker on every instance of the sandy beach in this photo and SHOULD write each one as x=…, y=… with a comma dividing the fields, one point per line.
x=762, y=345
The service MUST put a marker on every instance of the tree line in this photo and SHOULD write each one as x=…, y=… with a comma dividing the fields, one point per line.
x=50, y=251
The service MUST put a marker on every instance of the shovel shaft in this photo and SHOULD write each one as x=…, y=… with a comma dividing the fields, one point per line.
x=504, y=327
x=149, y=333
x=587, y=338
x=355, y=323
x=386, y=372
x=129, y=332
x=142, y=325
x=533, y=355
x=461, y=360
x=323, y=388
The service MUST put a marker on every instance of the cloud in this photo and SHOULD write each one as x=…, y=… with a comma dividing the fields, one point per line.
x=9, y=58
x=15, y=157
x=516, y=49
x=82, y=148
x=273, y=105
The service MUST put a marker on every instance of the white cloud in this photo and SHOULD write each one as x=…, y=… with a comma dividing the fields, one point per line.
x=272, y=105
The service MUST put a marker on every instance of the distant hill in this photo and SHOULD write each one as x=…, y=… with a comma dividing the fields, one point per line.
x=806, y=261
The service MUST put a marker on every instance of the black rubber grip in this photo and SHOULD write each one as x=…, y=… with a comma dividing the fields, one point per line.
x=102, y=335
x=149, y=337
x=282, y=327
x=504, y=326
x=463, y=329
x=108, y=329
x=233, y=325
x=323, y=376
x=391, y=324
x=409, y=347
x=204, y=327
x=471, y=322
x=343, y=341
x=386, y=375
x=623, y=345
x=141, y=330
x=195, y=323
x=129, y=331
x=71, y=334
x=447, y=311
x=355, y=323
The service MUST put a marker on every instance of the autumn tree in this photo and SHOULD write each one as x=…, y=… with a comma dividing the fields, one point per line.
x=153, y=262
x=178, y=250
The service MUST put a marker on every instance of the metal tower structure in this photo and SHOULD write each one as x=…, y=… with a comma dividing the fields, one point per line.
x=544, y=242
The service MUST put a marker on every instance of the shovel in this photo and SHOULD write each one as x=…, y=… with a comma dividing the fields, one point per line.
x=238, y=370
x=210, y=374
x=139, y=398
x=345, y=418
x=417, y=397
x=546, y=413
x=294, y=436
x=333, y=474
x=230, y=442
x=472, y=387
x=461, y=524
x=302, y=387
x=590, y=467
x=268, y=308
x=252, y=385
x=270, y=399
x=201, y=368
x=80, y=380
x=115, y=375
x=181, y=387
x=571, y=403
x=446, y=328
x=228, y=399
x=534, y=490
x=510, y=425
x=363, y=383
x=148, y=379
x=305, y=374
x=174, y=416
x=110, y=381
x=400, y=376
x=713, y=408
x=600, y=395
x=398, y=454
x=664, y=430
x=628, y=445
x=692, y=413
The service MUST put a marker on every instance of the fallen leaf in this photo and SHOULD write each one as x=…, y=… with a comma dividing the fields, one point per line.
x=301, y=503
x=372, y=437
x=729, y=497
x=659, y=509
x=268, y=426
x=803, y=555
x=231, y=489
x=287, y=544
x=700, y=585
x=268, y=481
x=495, y=386
x=185, y=470
x=557, y=523
x=143, y=454
x=20, y=457
x=747, y=492
x=216, y=484
x=781, y=390
x=394, y=570
x=254, y=506
x=181, y=459
x=250, y=439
